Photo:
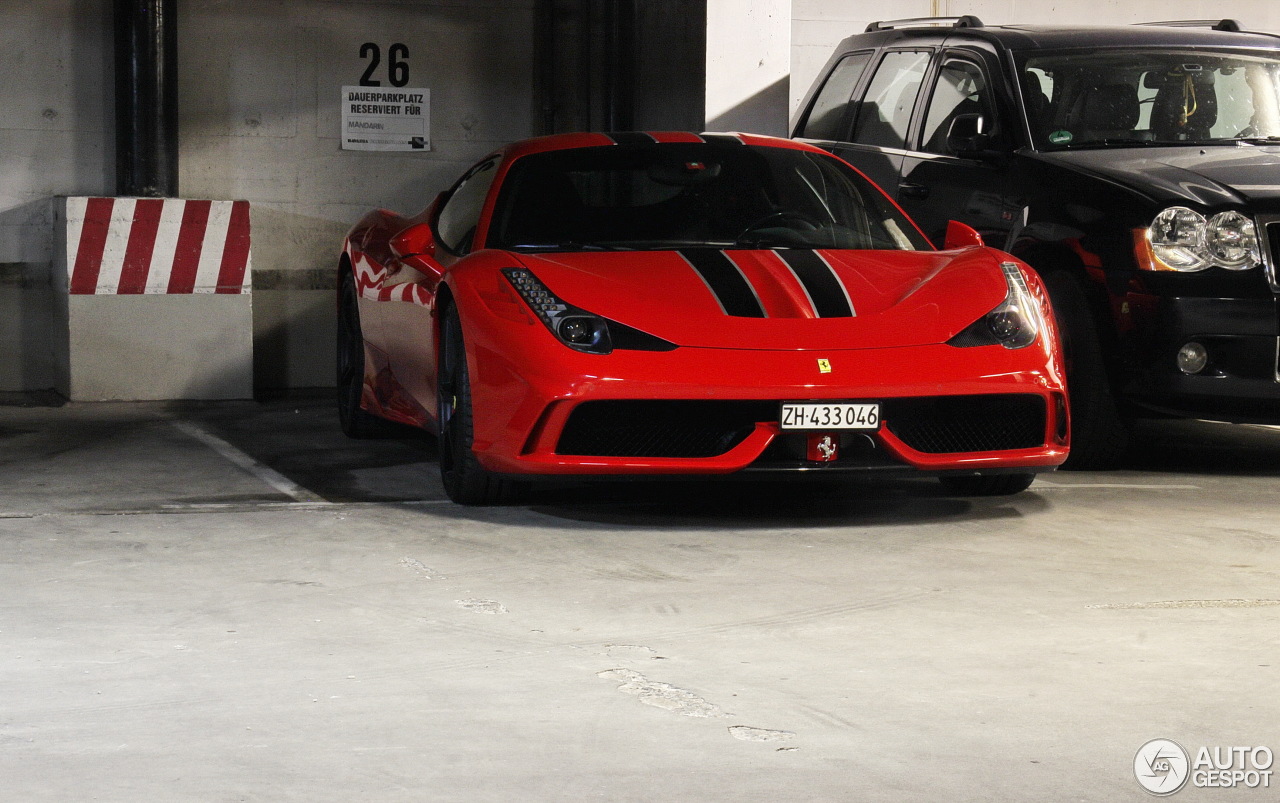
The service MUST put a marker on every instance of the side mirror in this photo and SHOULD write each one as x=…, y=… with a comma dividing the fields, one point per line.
x=961, y=236
x=967, y=137
x=417, y=240
x=415, y=247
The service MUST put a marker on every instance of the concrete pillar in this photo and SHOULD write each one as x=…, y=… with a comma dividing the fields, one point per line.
x=155, y=299
x=146, y=60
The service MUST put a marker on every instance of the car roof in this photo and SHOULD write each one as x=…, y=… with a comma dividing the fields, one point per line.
x=1018, y=37
x=559, y=142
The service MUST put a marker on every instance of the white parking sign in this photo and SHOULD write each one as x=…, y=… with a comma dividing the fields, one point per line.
x=390, y=119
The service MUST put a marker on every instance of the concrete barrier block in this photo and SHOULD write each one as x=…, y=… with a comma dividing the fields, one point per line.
x=157, y=298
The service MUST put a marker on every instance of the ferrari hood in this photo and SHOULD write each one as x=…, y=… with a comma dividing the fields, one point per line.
x=786, y=298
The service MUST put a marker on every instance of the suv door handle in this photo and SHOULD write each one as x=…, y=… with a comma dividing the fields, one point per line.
x=914, y=191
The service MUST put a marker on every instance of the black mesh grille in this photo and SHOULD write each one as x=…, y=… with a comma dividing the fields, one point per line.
x=661, y=428
x=967, y=423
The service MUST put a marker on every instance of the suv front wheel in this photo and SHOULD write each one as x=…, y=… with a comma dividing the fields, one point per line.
x=1099, y=434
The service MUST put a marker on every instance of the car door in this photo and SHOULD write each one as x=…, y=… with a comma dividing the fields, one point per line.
x=942, y=181
x=423, y=251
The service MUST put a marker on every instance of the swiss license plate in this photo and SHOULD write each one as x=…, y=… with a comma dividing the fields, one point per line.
x=830, y=415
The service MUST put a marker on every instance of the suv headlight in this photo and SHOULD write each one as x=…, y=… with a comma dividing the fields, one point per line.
x=1182, y=239
x=1233, y=241
x=1014, y=324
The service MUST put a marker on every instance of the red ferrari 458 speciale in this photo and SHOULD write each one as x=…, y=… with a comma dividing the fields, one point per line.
x=683, y=304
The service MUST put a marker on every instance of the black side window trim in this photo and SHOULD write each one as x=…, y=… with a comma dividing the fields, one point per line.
x=855, y=96
x=463, y=247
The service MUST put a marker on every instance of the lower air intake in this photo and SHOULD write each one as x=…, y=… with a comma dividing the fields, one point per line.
x=993, y=423
x=661, y=428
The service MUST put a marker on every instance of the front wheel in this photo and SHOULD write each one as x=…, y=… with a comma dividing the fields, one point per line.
x=990, y=485
x=465, y=480
x=1099, y=433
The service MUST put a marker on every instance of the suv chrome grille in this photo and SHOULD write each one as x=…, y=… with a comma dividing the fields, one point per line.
x=1269, y=234
x=1269, y=240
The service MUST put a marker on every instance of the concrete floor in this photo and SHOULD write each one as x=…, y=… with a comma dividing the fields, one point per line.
x=233, y=602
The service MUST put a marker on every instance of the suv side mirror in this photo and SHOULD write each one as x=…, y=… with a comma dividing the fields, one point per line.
x=966, y=136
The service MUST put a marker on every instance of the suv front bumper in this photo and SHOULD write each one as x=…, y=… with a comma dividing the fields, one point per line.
x=1242, y=379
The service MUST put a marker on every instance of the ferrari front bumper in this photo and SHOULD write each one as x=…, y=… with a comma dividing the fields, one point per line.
x=528, y=410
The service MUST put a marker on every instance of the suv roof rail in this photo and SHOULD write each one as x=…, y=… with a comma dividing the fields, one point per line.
x=965, y=21
x=1218, y=25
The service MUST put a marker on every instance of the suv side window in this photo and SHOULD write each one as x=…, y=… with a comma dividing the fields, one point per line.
x=886, y=109
x=456, y=223
x=961, y=88
x=826, y=118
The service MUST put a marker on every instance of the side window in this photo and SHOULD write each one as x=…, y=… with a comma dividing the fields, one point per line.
x=826, y=118
x=961, y=88
x=1037, y=94
x=885, y=113
x=456, y=223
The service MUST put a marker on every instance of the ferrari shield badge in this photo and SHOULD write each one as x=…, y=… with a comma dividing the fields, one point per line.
x=824, y=366
x=822, y=448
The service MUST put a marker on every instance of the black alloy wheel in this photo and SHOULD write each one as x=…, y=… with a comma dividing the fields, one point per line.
x=465, y=480
x=355, y=422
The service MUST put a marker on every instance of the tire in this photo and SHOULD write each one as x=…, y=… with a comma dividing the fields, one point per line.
x=989, y=485
x=1099, y=433
x=355, y=422
x=465, y=480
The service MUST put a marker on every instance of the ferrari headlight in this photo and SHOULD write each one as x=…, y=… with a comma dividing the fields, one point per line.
x=576, y=328
x=1181, y=239
x=583, y=331
x=1014, y=324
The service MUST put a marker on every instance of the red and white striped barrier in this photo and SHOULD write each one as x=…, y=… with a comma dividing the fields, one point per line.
x=121, y=246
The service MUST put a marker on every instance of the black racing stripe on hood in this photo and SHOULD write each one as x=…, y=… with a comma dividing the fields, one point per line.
x=726, y=282
x=722, y=139
x=631, y=137
x=820, y=282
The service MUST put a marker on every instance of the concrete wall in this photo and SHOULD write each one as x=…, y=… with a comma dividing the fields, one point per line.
x=748, y=61
x=819, y=25
x=55, y=139
x=260, y=82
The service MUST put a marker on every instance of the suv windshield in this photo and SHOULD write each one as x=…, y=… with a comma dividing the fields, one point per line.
x=680, y=195
x=1097, y=98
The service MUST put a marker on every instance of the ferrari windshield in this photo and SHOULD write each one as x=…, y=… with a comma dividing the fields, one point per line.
x=680, y=195
x=1101, y=98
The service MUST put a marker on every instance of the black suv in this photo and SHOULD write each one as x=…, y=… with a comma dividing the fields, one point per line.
x=1137, y=168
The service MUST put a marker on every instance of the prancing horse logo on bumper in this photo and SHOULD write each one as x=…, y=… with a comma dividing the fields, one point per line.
x=827, y=448
x=820, y=448
x=824, y=366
